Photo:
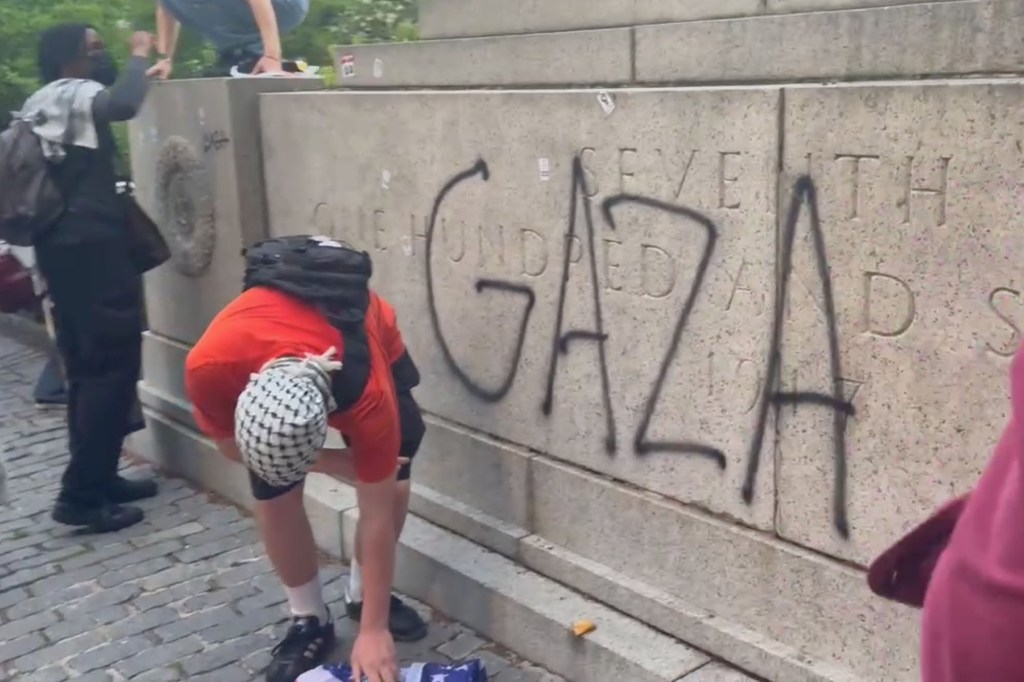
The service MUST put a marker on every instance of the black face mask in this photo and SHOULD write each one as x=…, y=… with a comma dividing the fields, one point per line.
x=104, y=70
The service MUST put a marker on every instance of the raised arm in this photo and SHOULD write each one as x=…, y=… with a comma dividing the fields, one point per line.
x=122, y=100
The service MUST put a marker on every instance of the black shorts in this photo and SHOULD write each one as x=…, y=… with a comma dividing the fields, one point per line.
x=411, y=424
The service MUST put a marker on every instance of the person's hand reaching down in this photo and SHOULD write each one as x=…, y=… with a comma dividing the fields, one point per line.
x=374, y=657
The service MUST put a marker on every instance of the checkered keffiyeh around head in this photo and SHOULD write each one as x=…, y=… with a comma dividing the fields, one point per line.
x=281, y=417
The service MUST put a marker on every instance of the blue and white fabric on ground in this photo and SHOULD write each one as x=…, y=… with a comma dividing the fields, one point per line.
x=466, y=671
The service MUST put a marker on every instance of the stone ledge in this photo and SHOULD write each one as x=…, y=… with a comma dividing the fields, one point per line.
x=641, y=596
x=471, y=523
x=853, y=40
x=465, y=18
x=739, y=646
x=474, y=18
x=457, y=576
x=527, y=612
x=194, y=458
x=500, y=599
x=166, y=405
x=793, y=6
x=946, y=38
x=582, y=57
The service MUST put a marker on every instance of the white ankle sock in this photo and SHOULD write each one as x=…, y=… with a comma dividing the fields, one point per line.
x=307, y=600
x=355, y=583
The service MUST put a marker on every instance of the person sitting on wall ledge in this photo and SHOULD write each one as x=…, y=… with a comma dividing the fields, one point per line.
x=308, y=346
x=245, y=33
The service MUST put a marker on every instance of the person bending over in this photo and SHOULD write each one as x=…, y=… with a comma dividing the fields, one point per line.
x=308, y=346
x=245, y=33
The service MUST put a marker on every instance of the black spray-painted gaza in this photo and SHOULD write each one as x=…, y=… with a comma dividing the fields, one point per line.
x=803, y=196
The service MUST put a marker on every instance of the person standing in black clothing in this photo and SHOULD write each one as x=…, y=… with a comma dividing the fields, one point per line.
x=86, y=262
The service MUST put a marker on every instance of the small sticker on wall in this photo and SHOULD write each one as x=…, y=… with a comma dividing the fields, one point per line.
x=378, y=68
x=348, y=65
x=385, y=179
x=202, y=117
x=606, y=101
x=544, y=166
x=407, y=245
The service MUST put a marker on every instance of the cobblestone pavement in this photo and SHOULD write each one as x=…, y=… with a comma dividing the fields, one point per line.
x=186, y=595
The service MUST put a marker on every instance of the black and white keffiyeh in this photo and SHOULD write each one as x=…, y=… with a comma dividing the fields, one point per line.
x=281, y=416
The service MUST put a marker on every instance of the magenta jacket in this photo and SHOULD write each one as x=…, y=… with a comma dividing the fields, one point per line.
x=966, y=564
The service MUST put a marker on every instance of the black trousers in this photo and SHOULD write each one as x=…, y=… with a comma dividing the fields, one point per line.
x=98, y=315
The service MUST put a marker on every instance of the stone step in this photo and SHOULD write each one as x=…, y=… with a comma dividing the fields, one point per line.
x=468, y=18
x=947, y=38
x=451, y=549
x=602, y=56
x=499, y=598
x=903, y=41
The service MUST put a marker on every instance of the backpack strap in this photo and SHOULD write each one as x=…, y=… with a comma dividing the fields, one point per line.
x=348, y=384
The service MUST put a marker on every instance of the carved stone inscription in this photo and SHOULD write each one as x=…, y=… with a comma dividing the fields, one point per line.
x=666, y=299
x=619, y=304
x=919, y=191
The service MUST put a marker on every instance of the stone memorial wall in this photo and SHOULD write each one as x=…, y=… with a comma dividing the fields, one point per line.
x=698, y=338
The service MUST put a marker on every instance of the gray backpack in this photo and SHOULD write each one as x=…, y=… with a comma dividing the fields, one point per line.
x=30, y=201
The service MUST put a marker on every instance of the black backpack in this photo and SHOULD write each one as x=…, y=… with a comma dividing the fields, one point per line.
x=30, y=201
x=331, y=276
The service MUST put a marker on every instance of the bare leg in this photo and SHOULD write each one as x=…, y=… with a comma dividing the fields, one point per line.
x=288, y=538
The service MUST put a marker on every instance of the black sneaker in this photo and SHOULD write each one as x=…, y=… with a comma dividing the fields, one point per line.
x=243, y=62
x=403, y=621
x=101, y=518
x=228, y=58
x=124, y=490
x=305, y=647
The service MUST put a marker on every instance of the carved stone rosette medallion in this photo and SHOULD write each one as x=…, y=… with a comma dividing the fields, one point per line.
x=185, y=206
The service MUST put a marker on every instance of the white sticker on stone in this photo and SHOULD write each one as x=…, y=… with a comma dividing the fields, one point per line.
x=606, y=101
x=378, y=68
x=348, y=66
x=407, y=245
x=385, y=179
x=544, y=166
x=202, y=117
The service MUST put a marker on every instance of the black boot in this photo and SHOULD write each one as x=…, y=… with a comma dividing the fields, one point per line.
x=124, y=490
x=102, y=517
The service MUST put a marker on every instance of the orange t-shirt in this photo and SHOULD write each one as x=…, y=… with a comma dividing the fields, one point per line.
x=264, y=324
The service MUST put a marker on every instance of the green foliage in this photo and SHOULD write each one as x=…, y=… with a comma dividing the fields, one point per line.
x=350, y=22
x=330, y=22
